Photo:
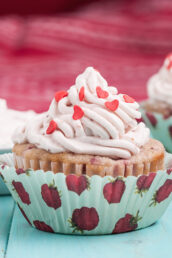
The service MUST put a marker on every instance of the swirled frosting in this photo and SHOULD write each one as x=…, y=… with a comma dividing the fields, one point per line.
x=160, y=84
x=9, y=120
x=90, y=118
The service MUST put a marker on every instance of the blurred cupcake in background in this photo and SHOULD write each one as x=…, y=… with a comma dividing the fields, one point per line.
x=157, y=110
x=9, y=120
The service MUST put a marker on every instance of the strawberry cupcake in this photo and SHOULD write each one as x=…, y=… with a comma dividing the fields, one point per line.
x=157, y=110
x=89, y=129
x=88, y=158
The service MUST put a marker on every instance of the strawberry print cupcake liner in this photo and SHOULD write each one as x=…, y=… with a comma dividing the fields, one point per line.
x=3, y=159
x=160, y=127
x=84, y=205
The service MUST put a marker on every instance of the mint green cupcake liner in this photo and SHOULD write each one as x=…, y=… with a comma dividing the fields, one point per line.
x=3, y=188
x=160, y=127
x=88, y=205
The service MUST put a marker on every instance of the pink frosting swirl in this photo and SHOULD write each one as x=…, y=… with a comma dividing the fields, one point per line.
x=90, y=118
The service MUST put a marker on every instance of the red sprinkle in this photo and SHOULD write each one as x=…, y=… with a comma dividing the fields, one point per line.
x=52, y=127
x=101, y=93
x=169, y=57
x=60, y=94
x=78, y=112
x=128, y=99
x=81, y=93
x=112, y=105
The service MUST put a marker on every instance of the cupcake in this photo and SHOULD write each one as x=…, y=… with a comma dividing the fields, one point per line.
x=89, y=129
x=157, y=110
x=9, y=120
x=87, y=159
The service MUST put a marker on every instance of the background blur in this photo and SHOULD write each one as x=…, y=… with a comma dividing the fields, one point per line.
x=44, y=44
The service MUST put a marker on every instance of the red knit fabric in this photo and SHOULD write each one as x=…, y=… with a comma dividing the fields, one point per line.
x=125, y=40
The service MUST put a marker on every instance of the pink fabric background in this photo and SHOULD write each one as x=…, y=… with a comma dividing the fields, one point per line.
x=125, y=40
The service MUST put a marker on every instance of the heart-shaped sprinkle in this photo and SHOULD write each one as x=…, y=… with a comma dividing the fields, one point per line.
x=78, y=112
x=52, y=127
x=102, y=94
x=81, y=94
x=60, y=94
x=128, y=99
x=169, y=61
x=112, y=105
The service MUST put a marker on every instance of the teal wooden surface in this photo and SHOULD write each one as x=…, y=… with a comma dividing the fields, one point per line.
x=3, y=188
x=6, y=213
x=152, y=242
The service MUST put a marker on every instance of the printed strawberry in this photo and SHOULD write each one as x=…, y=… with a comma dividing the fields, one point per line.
x=84, y=219
x=170, y=130
x=114, y=191
x=24, y=196
x=167, y=114
x=151, y=118
x=77, y=184
x=43, y=226
x=24, y=214
x=169, y=171
x=144, y=182
x=162, y=193
x=51, y=196
x=1, y=175
x=101, y=93
x=20, y=171
x=127, y=223
x=3, y=166
x=139, y=120
x=78, y=112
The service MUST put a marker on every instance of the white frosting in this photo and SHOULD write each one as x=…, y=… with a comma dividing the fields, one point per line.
x=9, y=121
x=99, y=131
x=160, y=84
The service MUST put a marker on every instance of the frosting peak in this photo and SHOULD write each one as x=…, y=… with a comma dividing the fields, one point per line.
x=90, y=118
x=160, y=84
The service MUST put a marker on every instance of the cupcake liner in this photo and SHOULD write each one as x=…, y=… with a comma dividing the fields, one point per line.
x=84, y=205
x=3, y=188
x=160, y=127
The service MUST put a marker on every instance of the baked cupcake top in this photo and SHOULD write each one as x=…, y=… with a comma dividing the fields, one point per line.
x=90, y=118
x=9, y=120
x=160, y=84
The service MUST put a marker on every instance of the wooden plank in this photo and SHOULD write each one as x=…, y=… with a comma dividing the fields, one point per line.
x=152, y=242
x=6, y=213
